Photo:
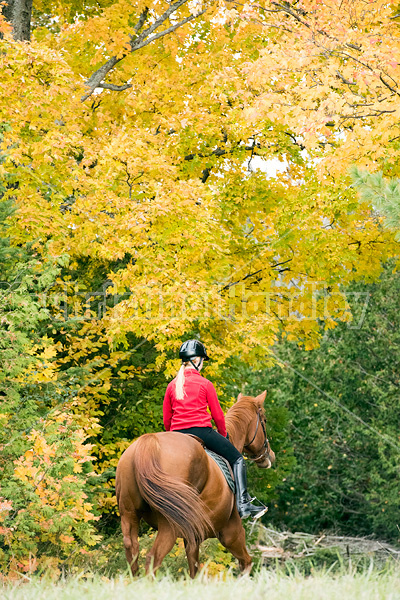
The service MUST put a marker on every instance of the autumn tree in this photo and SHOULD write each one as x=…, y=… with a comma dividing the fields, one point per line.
x=45, y=459
x=157, y=187
x=208, y=237
x=137, y=145
x=330, y=74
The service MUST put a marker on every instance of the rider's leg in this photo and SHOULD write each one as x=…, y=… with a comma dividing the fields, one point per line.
x=215, y=442
x=222, y=446
x=243, y=501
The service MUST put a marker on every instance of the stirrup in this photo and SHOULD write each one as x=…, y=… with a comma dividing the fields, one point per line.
x=263, y=510
x=250, y=510
x=256, y=512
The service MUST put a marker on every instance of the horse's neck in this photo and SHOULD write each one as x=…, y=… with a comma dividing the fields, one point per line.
x=238, y=434
x=237, y=439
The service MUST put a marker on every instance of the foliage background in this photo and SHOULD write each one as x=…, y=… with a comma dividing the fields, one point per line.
x=342, y=399
x=137, y=210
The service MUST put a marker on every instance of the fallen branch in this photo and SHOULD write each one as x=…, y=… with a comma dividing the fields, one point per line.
x=287, y=545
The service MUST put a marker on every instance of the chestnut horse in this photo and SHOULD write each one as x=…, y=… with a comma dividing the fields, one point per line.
x=168, y=480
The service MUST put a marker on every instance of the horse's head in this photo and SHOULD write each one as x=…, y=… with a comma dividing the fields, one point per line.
x=256, y=443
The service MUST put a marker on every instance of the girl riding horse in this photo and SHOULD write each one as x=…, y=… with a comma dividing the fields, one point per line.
x=185, y=411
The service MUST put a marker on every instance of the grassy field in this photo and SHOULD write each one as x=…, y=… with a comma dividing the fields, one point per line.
x=268, y=585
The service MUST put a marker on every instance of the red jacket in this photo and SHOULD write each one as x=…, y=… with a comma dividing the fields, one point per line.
x=192, y=410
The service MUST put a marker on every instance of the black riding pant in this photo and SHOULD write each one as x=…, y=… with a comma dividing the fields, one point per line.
x=215, y=442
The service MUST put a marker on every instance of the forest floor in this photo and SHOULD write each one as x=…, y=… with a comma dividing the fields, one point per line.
x=289, y=566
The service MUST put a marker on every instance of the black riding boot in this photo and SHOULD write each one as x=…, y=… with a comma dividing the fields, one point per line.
x=243, y=500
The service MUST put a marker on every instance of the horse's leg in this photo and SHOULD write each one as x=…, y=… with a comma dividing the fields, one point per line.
x=130, y=531
x=164, y=542
x=233, y=537
x=192, y=555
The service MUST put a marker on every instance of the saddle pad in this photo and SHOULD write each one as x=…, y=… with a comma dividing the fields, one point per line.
x=225, y=468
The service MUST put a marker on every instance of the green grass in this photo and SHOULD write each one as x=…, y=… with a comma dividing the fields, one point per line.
x=371, y=584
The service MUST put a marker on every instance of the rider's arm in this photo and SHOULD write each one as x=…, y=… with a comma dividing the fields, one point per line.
x=215, y=408
x=167, y=409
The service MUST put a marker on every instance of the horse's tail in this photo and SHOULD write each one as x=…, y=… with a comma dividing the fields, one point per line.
x=178, y=502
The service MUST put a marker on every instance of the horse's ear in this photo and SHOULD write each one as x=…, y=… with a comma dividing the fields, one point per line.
x=260, y=399
x=240, y=396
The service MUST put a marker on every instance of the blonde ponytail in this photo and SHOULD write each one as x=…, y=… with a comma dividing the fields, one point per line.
x=180, y=382
x=180, y=377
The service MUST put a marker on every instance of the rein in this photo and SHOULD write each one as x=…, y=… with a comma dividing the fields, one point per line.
x=265, y=445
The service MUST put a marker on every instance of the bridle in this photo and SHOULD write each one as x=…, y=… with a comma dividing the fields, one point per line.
x=265, y=445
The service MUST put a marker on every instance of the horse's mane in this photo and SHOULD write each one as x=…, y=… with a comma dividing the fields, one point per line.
x=241, y=413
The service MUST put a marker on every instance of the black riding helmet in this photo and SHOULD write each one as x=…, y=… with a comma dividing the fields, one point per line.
x=192, y=348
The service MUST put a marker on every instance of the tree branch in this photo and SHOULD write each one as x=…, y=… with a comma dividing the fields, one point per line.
x=169, y=30
x=346, y=81
x=145, y=34
x=229, y=285
x=142, y=20
x=286, y=8
x=115, y=88
x=95, y=79
x=137, y=42
x=385, y=83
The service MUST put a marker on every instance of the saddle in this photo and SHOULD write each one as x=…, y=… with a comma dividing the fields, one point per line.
x=222, y=463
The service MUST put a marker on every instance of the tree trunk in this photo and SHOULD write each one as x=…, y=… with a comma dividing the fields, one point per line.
x=18, y=13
